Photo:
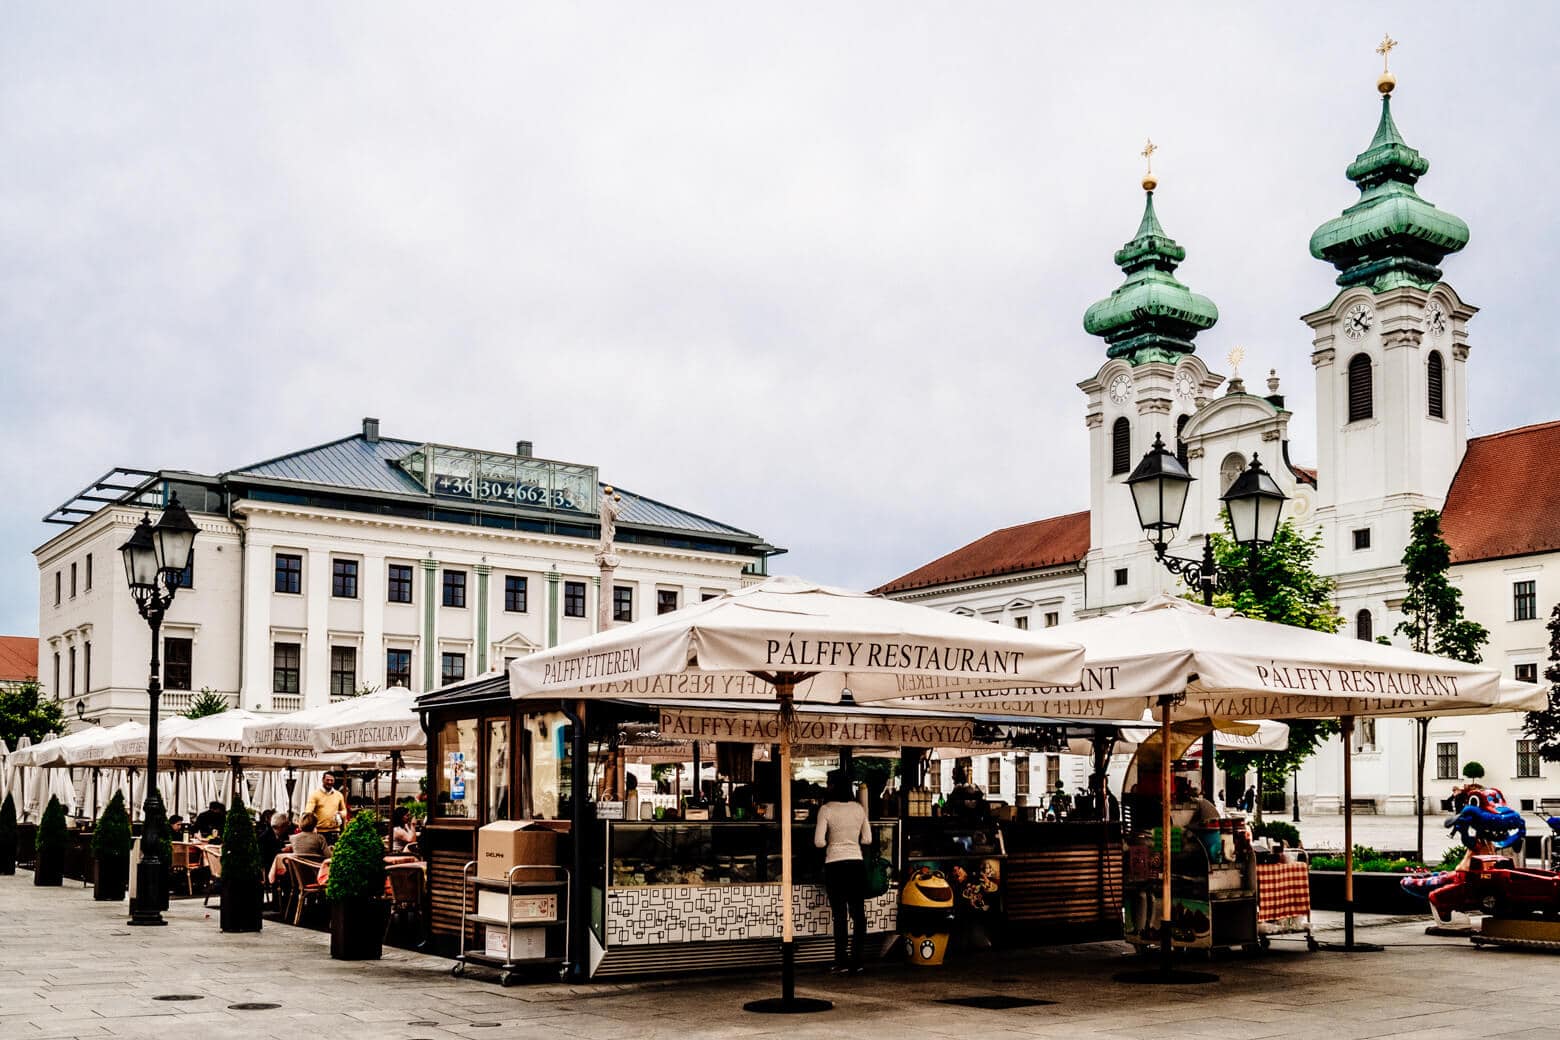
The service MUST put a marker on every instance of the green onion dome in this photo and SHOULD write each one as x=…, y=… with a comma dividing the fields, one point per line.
x=1152, y=316
x=1391, y=236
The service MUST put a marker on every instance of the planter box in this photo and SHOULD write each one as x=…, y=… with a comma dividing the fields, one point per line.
x=357, y=929
x=1374, y=893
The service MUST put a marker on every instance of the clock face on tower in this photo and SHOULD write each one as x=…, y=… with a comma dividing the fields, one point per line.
x=1184, y=387
x=1435, y=320
x=1358, y=321
x=1121, y=389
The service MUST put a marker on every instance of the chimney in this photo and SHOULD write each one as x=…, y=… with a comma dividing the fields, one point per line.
x=523, y=449
x=371, y=430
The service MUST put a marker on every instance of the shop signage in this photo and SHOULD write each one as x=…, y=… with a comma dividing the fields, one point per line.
x=761, y=727
x=609, y=810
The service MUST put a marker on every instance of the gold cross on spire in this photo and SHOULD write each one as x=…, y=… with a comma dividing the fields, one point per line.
x=1150, y=182
x=1384, y=48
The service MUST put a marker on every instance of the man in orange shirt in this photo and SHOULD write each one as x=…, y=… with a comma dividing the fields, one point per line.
x=329, y=808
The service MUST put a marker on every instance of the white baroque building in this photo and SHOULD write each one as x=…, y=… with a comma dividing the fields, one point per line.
x=364, y=562
x=1390, y=352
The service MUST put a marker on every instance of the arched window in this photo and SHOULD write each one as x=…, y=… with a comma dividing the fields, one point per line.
x=1435, y=385
x=1364, y=628
x=1234, y=465
x=1120, y=447
x=1180, y=445
x=1359, y=388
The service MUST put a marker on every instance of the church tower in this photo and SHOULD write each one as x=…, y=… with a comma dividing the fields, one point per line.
x=1150, y=384
x=1390, y=355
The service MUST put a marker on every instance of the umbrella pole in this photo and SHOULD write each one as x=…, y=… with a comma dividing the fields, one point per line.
x=395, y=769
x=1346, y=734
x=788, y=1003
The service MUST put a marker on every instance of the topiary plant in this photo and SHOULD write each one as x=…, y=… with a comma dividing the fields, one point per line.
x=111, y=850
x=242, y=888
x=357, y=862
x=356, y=889
x=1473, y=771
x=50, y=868
x=8, y=836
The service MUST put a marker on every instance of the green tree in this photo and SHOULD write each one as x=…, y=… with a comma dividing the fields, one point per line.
x=1279, y=584
x=1434, y=624
x=24, y=713
x=8, y=835
x=1544, y=726
x=242, y=886
x=206, y=702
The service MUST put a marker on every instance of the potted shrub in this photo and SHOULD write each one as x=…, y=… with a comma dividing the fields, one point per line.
x=8, y=836
x=1473, y=771
x=356, y=890
x=242, y=894
x=50, y=868
x=111, y=851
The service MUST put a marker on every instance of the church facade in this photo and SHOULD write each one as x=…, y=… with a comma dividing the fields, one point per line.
x=1390, y=353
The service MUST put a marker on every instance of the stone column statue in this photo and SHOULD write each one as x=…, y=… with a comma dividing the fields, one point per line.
x=606, y=558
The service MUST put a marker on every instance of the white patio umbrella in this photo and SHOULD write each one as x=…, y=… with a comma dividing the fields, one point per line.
x=5, y=774
x=795, y=641
x=1211, y=663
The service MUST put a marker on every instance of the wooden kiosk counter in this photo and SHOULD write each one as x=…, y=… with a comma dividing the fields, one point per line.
x=662, y=883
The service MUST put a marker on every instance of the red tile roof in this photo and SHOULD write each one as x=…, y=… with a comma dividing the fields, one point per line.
x=1505, y=498
x=1026, y=547
x=18, y=658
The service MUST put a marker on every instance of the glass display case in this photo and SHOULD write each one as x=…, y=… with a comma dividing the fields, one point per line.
x=718, y=853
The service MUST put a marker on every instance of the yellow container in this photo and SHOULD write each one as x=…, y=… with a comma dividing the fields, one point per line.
x=926, y=950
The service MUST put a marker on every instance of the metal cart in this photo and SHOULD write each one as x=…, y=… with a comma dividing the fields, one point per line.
x=530, y=928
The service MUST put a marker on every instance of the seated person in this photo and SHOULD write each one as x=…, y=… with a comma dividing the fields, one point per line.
x=402, y=834
x=212, y=821
x=176, y=827
x=308, y=842
x=965, y=801
x=273, y=840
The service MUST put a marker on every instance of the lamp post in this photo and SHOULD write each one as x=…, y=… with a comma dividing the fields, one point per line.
x=1255, y=502
x=155, y=557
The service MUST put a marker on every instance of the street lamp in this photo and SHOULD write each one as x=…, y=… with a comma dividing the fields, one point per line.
x=155, y=558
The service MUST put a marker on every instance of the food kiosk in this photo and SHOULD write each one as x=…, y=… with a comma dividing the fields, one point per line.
x=697, y=887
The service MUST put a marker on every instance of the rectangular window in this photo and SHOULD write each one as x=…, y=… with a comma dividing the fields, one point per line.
x=1052, y=619
x=994, y=775
x=72, y=664
x=177, y=654
x=57, y=691
x=343, y=671
x=1527, y=759
x=398, y=667
x=86, y=666
x=186, y=578
x=398, y=588
x=1020, y=774
x=73, y=581
x=452, y=668
x=515, y=588
x=1121, y=576
x=1446, y=760
x=1526, y=673
x=454, y=588
x=289, y=573
x=1524, y=600
x=1021, y=623
x=89, y=573
x=1053, y=773
x=57, y=597
x=286, y=663
x=497, y=807
x=665, y=601
x=622, y=603
x=705, y=597
x=343, y=579
x=455, y=776
x=1362, y=538
x=574, y=599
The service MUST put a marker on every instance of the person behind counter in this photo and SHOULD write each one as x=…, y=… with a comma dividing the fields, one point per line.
x=965, y=801
x=843, y=833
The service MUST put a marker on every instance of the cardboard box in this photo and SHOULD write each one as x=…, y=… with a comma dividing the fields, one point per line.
x=515, y=944
x=514, y=843
x=529, y=907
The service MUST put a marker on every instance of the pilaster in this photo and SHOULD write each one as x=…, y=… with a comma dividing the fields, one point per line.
x=483, y=570
x=429, y=640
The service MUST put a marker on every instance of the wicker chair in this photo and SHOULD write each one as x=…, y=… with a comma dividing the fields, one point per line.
x=303, y=880
x=408, y=888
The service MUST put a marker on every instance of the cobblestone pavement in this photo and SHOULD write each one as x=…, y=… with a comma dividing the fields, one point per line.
x=1387, y=833
x=71, y=967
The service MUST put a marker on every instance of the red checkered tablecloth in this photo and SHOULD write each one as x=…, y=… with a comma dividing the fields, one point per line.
x=1283, y=891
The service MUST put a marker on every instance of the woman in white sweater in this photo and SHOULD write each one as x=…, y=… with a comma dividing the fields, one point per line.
x=843, y=833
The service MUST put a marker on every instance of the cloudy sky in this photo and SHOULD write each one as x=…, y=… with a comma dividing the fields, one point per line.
x=816, y=271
